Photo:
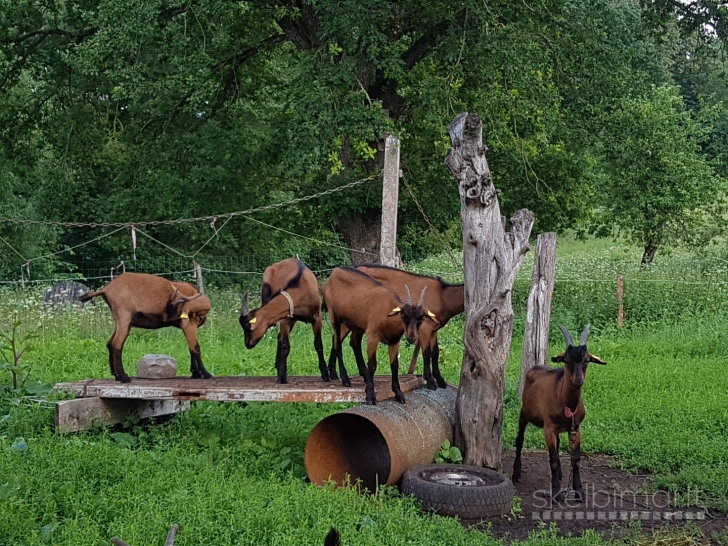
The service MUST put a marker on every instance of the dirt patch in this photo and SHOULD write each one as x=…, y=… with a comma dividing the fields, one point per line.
x=616, y=502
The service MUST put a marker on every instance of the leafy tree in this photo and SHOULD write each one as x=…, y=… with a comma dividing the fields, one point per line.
x=658, y=187
x=705, y=18
x=112, y=111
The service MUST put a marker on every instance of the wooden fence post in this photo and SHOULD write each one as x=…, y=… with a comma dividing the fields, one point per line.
x=538, y=311
x=198, y=277
x=491, y=260
x=620, y=297
x=390, y=202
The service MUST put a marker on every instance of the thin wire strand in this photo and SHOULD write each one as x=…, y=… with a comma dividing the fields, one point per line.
x=161, y=243
x=190, y=220
x=77, y=246
x=13, y=248
x=212, y=236
x=62, y=279
x=437, y=234
x=309, y=238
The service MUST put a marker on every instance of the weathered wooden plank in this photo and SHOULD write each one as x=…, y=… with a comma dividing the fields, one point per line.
x=75, y=415
x=241, y=389
x=538, y=309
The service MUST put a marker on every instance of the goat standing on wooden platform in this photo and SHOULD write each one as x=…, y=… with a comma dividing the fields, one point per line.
x=552, y=400
x=443, y=301
x=147, y=301
x=364, y=305
x=289, y=294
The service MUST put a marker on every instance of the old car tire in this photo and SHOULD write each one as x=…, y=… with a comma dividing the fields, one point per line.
x=469, y=492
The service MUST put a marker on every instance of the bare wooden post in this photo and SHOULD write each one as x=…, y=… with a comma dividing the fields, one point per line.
x=492, y=258
x=390, y=202
x=198, y=278
x=538, y=310
x=620, y=297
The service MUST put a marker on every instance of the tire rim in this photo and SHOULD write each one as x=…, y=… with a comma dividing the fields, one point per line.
x=456, y=478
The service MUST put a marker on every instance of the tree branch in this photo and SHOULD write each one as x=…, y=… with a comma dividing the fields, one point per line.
x=44, y=33
x=425, y=43
x=250, y=53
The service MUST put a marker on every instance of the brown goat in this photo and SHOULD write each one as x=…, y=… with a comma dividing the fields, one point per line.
x=552, y=401
x=443, y=300
x=147, y=301
x=289, y=294
x=364, y=305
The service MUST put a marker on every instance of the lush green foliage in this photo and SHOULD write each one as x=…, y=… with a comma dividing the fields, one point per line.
x=114, y=112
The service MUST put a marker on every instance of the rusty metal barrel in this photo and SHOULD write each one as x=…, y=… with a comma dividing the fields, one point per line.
x=376, y=444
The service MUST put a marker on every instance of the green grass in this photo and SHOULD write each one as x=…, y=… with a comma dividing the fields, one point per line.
x=233, y=474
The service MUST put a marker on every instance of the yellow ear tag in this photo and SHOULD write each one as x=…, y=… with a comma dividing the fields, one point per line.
x=396, y=310
x=430, y=314
x=253, y=320
x=184, y=315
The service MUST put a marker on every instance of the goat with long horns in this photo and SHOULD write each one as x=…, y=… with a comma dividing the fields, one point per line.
x=552, y=400
x=360, y=304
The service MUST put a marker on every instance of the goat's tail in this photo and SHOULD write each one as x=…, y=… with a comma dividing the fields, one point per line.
x=333, y=538
x=89, y=296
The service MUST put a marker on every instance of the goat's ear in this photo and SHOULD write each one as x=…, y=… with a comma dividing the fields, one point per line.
x=430, y=315
x=558, y=358
x=596, y=359
x=395, y=311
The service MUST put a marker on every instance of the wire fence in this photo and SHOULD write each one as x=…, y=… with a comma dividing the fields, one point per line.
x=680, y=289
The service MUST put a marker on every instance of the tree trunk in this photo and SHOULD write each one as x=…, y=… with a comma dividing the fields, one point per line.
x=538, y=311
x=492, y=258
x=649, y=253
x=362, y=235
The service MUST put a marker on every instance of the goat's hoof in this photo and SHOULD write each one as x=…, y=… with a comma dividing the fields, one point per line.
x=123, y=378
x=346, y=382
x=441, y=383
x=282, y=380
x=371, y=401
x=432, y=386
x=207, y=375
x=399, y=398
x=516, y=477
x=561, y=495
x=333, y=377
x=579, y=496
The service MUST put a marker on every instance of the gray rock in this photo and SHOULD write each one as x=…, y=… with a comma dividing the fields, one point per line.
x=63, y=293
x=156, y=367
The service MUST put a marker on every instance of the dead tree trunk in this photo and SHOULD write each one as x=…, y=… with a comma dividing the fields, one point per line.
x=538, y=311
x=492, y=258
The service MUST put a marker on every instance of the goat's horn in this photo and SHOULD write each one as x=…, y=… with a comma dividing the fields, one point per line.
x=244, y=304
x=422, y=297
x=584, y=335
x=567, y=336
x=174, y=294
x=409, y=296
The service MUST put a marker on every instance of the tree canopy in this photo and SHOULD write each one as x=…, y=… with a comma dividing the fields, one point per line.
x=127, y=112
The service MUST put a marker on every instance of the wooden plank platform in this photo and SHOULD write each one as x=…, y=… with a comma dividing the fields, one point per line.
x=241, y=389
x=79, y=414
